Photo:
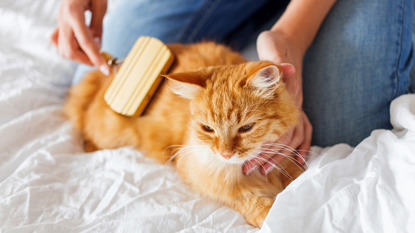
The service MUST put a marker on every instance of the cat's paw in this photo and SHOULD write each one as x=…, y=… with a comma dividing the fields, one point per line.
x=257, y=217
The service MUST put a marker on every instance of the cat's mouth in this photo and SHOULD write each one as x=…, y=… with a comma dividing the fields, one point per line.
x=235, y=158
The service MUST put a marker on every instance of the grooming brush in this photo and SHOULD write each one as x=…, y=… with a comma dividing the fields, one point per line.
x=138, y=78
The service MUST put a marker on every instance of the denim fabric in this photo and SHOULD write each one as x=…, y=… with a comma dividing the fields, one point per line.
x=130, y=19
x=358, y=63
x=170, y=21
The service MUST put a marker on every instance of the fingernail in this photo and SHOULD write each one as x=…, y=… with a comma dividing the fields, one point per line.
x=104, y=69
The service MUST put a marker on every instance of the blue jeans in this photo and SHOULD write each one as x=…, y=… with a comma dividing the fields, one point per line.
x=184, y=21
x=359, y=61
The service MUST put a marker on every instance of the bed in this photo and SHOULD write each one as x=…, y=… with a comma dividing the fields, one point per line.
x=49, y=184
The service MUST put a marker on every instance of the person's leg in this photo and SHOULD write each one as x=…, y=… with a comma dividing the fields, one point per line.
x=358, y=63
x=233, y=22
x=170, y=21
x=412, y=73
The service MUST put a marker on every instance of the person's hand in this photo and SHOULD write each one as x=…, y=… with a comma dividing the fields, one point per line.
x=280, y=49
x=76, y=40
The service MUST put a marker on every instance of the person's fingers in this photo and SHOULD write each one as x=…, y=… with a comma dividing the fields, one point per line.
x=66, y=42
x=262, y=159
x=305, y=146
x=268, y=151
x=85, y=40
x=285, y=147
x=63, y=37
x=273, y=153
x=274, y=161
x=98, y=7
x=68, y=46
x=81, y=57
x=75, y=38
x=249, y=166
x=259, y=159
x=298, y=140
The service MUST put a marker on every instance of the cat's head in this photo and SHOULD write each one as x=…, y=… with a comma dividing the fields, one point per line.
x=235, y=109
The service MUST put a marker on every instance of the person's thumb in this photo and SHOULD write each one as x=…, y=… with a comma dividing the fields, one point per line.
x=98, y=9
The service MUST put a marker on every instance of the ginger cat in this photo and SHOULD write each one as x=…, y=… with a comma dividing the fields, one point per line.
x=213, y=113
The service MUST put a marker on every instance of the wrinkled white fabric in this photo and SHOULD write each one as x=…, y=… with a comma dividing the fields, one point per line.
x=370, y=188
x=48, y=184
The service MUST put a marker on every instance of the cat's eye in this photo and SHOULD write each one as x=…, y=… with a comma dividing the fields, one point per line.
x=246, y=128
x=208, y=129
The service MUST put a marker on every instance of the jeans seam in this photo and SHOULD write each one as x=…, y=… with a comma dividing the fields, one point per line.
x=398, y=61
x=198, y=20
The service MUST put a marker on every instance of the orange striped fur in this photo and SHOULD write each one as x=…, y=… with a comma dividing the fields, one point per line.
x=212, y=114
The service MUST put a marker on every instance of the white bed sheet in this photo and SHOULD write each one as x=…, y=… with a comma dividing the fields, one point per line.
x=48, y=184
x=370, y=188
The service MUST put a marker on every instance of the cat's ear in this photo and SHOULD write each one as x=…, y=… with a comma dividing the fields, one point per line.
x=187, y=84
x=265, y=81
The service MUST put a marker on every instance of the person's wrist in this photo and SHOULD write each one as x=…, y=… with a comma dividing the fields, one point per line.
x=297, y=42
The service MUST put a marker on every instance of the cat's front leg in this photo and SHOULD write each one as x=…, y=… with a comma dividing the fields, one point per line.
x=254, y=208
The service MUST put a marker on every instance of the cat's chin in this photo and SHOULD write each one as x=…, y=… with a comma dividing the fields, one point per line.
x=238, y=161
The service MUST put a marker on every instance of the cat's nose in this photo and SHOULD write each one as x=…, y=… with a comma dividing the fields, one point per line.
x=226, y=155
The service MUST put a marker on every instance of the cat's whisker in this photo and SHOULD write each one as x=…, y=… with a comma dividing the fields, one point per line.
x=176, y=115
x=296, y=152
x=178, y=152
x=279, y=144
x=285, y=146
x=292, y=150
x=170, y=161
x=293, y=160
x=279, y=168
x=184, y=150
x=280, y=149
x=290, y=158
x=309, y=152
x=283, y=171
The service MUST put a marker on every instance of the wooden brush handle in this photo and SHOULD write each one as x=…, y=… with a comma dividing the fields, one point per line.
x=139, y=76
